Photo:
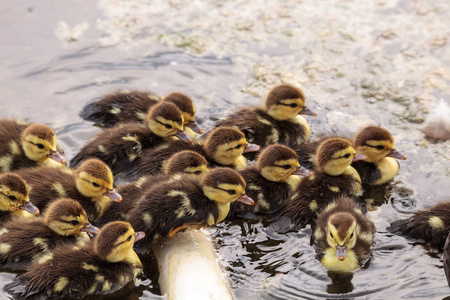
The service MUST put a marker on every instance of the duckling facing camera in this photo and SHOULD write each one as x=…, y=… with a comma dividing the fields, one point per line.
x=187, y=203
x=278, y=122
x=91, y=185
x=121, y=146
x=344, y=236
x=14, y=200
x=101, y=267
x=126, y=106
x=24, y=145
x=27, y=241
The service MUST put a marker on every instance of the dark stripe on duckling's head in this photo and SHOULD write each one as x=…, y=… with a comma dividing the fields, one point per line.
x=14, y=182
x=183, y=161
x=182, y=101
x=166, y=110
x=328, y=148
x=374, y=133
x=274, y=153
x=221, y=136
x=282, y=92
x=64, y=207
x=342, y=221
x=108, y=238
x=218, y=176
x=97, y=169
x=41, y=131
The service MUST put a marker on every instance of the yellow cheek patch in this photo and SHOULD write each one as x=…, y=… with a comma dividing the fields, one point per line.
x=436, y=222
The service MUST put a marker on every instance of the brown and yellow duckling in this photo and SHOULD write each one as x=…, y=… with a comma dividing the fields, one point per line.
x=25, y=241
x=344, y=236
x=121, y=146
x=431, y=225
x=187, y=163
x=101, y=267
x=91, y=185
x=25, y=145
x=334, y=178
x=278, y=122
x=179, y=204
x=14, y=200
x=125, y=106
x=223, y=147
x=271, y=182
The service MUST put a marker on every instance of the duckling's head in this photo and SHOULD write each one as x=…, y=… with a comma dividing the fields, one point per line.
x=66, y=217
x=187, y=162
x=278, y=163
x=115, y=243
x=341, y=233
x=39, y=144
x=376, y=143
x=94, y=179
x=166, y=120
x=285, y=102
x=187, y=107
x=334, y=155
x=225, y=144
x=14, y=194
x=224, y=185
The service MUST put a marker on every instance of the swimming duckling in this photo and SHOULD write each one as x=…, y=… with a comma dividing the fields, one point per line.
x=447, y=259
x=14, y=201
x=120, y=146
x=101, y=267
x=23, y=145
x=334, y=178
x=26, y=241
x=186, y=162
x=179, y=204
x=271, y=182
x=431, y=225
x=223, y=147
x=344, y=236
x=91, y=185
x=125, y=106
x=278, y=122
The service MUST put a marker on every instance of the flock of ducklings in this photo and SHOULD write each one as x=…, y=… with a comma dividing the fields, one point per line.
x=176, y=181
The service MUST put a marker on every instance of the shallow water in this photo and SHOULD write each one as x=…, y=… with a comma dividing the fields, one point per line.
x=358, y=62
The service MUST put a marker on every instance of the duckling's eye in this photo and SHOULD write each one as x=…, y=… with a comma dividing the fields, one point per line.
x=13, y=198
x=380, y=147
x=331, y=234
x=238, y=146
x=40, y=146
x=95, y=184
x=287, y=167
x=351, y=235
x=231, y=192
x=198, y=172
x=168, y=126
x=129, y=238
x=74, y=222
x=293, y=105
x=347, y=155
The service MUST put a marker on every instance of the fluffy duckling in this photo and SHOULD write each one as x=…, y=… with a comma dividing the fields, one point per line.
x=431, y=225
x=380, y=165
x=179, y=204
x=23, y=145
x=119, y=147
x=101, y=267
x=125, y=106
x=223, y=147
x=186, y=162
x=278, y=122
x=271, y=182
x=344, y=236
x=14, y=201
x=447, y=259
x=91, y=185
x=334, y=178
x=24, y=241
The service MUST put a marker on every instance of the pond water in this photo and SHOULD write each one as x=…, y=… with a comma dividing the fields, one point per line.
x=358, y=62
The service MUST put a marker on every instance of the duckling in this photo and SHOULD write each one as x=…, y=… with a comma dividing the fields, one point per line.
x=25, y=241
x=91, y=185
x=186, y=162
x=271, y=182
x=124, y=106
x=179, y=204
x=447, y=259
x=101, y=267
x=278, y=122
x=120, y=147
x=431, y=225
x=25, y=145
x=344, y=236
x=334, y=178
x=14, y=201
x=223, y=147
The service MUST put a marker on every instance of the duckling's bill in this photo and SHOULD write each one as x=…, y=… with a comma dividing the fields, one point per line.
x=183, y=136
x=251, y=148
x=395, y=154
x=115, y=196
x=139, y=235
x=245, y=199
x=307, y=111
x=29, y=207
x=359, y=156
x=195, y=127
x=301, y=171
x=55, y=155
x=341, y=252
x=90, y=228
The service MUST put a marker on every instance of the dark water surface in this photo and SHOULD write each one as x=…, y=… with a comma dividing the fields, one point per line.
x=359, y=62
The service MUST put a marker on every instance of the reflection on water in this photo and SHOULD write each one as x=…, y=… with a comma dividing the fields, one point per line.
x=359, y=62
